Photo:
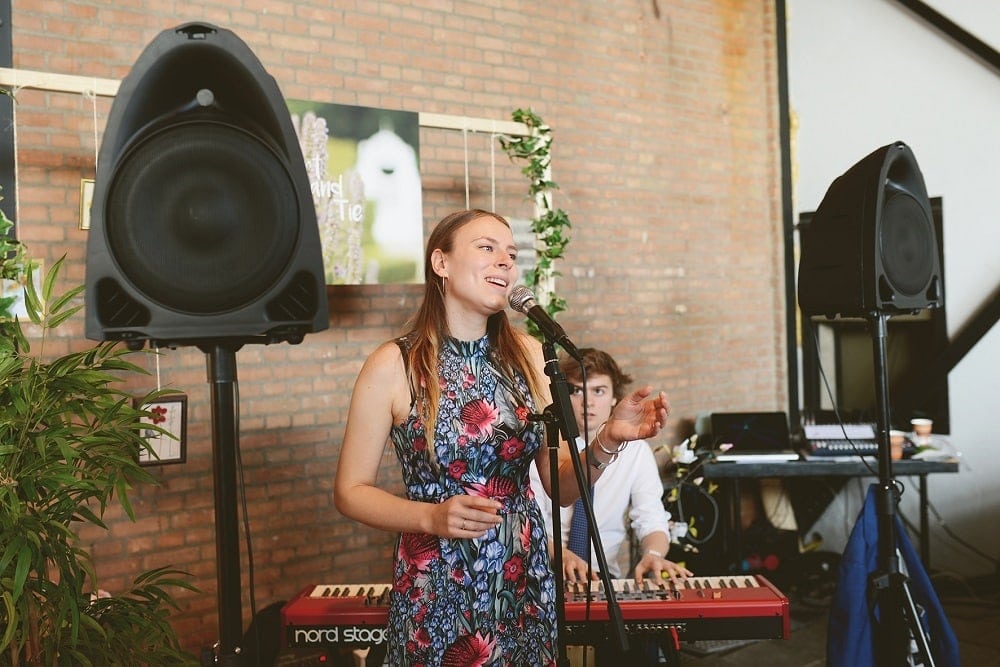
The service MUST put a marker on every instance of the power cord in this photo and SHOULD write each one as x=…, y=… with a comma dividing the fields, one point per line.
x=697, y=541
x=948, y=531
x=685, y=483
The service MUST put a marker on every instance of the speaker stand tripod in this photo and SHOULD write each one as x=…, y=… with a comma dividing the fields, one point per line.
x=897, y=623
x=225, y=438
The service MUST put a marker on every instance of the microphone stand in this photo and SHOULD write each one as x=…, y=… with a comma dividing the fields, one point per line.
x=559, y=417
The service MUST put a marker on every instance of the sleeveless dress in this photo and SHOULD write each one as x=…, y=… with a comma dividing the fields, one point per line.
x=485, y=601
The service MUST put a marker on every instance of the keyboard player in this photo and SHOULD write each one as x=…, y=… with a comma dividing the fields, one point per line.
x=630, y=489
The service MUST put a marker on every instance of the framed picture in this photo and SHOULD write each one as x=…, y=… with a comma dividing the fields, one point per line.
x=170, y=414
x=363, y=165
x=86, y=199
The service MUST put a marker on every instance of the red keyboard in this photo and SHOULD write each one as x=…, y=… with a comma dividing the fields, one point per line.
x=697, y=608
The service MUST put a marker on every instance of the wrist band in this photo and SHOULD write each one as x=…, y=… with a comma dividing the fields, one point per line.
x=600, y=443
x=592, y=458
x=654, y=552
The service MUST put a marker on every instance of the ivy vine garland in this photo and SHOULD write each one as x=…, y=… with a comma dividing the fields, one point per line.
x=550, y=224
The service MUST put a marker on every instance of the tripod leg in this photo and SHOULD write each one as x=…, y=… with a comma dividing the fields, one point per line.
x=900, y=638
x=889, y=621
x=916, y=627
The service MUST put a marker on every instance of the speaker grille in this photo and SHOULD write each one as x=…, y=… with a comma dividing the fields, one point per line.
x=296, y=302
x=117, y=309
x=198, y=217
x=906, y=244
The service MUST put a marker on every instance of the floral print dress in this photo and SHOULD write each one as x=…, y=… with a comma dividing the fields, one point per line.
x=490, y=600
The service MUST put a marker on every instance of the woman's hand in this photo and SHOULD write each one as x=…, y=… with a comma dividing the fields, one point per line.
x=636, y=417
x=464, y=517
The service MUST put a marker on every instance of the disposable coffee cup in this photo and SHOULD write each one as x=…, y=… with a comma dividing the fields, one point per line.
x=922, y=431
x=896, y=441
x=922, y=427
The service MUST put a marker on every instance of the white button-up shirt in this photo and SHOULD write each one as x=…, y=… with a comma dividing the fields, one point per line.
x=629, y=490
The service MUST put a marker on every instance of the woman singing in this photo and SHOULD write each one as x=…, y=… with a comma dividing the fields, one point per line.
x=472, y=583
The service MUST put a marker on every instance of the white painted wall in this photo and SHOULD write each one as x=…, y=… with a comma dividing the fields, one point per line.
x=864, y=73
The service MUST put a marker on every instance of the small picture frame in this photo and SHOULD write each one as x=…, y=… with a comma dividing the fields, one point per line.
x=170, y=414
x=86, y=199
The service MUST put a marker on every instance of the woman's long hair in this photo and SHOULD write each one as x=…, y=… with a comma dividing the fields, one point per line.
x=429, y=326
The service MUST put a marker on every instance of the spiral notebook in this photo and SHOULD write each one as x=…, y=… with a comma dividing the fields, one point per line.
x=756, y=437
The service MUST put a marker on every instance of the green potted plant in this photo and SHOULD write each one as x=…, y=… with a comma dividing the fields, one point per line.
x=69, y=446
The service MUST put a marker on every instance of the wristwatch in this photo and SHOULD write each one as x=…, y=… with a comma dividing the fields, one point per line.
x=592, y=459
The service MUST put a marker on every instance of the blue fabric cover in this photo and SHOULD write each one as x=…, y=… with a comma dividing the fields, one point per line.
x=849, y=637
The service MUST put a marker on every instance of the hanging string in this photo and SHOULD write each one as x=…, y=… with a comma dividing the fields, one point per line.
x=493, y=168
x=156, y=353
x=17, y=162
x=92, y=94
x=465, y=144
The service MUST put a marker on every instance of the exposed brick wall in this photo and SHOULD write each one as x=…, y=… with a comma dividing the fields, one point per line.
x=666, y=151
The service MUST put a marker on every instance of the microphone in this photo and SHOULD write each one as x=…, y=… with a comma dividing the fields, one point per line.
x=523, y=301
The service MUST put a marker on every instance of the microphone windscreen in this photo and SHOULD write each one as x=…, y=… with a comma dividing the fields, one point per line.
x=521, y=298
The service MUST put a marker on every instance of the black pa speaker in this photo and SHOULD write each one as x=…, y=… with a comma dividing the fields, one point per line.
x=871, y=247
x=203, y=226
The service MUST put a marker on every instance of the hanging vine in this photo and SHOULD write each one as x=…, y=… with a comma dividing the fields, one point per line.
x=549, y=224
